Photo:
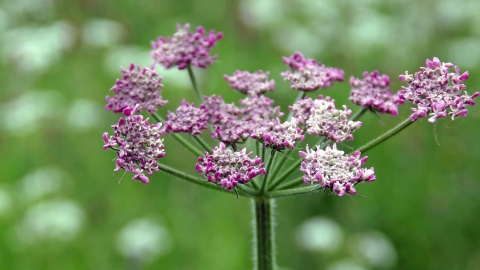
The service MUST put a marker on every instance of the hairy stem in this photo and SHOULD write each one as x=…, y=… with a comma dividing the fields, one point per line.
x=264, y=244
x=293, y=192
x=358, y=114
x=265, y=177
x=202, y=143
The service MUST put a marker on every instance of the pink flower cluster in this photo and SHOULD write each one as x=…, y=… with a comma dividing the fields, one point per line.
x=251, y=84
x=372, y=92
x=232, y=124
x=322, y=118
x=187, y=119
x=277, y=135
x=229, y=168
x=333, y=169
x=308, y=74
x=139, y=144
x=436, y=91
x=185, y=48
x=137, y=87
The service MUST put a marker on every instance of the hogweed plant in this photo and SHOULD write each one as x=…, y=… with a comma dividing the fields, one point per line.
x=255, y=138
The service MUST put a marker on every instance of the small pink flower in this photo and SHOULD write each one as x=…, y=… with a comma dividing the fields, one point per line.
x=137, y=87
x=372, y=92
x=185, y=48
x=437, y=91
x=251, y=84
x=139, y=144
x=229, y=168
x=187, y=118
x=333, y=169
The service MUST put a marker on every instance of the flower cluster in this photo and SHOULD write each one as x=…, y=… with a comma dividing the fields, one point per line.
x=137, y=87
x=185, y=48
x=228, y=168
x=333, y=169
x=187, y=119
x=308, y=74
x=139, y=144
x=277, y=135
x=232, y=124
x=322, y=118
x=251, y=84
x=436, y=91
x=372, y=92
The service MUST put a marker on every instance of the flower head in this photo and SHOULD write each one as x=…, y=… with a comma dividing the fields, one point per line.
x=137, y=87
x=436, y=91
x=229, y=168
x=277, y=135
x=308, y=74
x=138, y=142
x=185, y=48
x=325, y=120
x=251, y=84
x=372, y=92
x=187, y=119
x=333, y=169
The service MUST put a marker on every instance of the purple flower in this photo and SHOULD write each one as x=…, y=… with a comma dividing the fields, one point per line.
x=322, y=118
x=277, y=135
x=251, y=84
x=138, y=142
x=436, y=91
x=185, y=48
x=308, y=74
x=187, y=119
x=137, y=87
x=229, y=168
x=332, y=169
x=232, y=124
x=372, y=92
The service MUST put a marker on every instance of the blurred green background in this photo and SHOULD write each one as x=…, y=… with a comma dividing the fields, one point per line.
x=61, y=206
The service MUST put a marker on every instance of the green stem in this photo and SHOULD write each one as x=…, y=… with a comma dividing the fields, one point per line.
x=285, y=174
x=358, y=114
x=293, y=192
x=269, y=165
x=264, y=245
x=181, y=140
x=202, y=143
x=189, y=178
x=405, y=123
x=291, y=184
x=278, y=165
x=194, y=83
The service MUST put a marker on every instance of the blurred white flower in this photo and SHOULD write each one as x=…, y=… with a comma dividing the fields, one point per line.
x=41, y=182
x=261, y=13
x=375, y=248
x=103, y=32
x=36, y=8
x=84, y=114
x=143, y=239
x=35, y=49
x=22, y=115
x=319, y=234
x=52, y=220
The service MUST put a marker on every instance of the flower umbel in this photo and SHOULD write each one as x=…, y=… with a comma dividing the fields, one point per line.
x=137, y=87
x=251, y=84
x=277, y=135
x=325, y=120
x=308, y=74
x=436, y=91
x=187, y=119
x=139, y=144
x=185, y=48
x=333, y=169
x=229, y=168
x=372, y=92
